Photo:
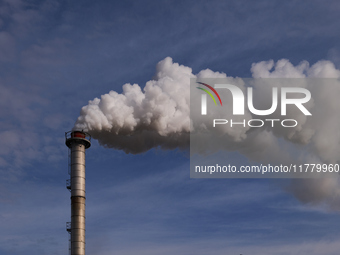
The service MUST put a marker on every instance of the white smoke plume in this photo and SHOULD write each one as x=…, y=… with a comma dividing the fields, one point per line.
x=138, y=120
x=158, y=116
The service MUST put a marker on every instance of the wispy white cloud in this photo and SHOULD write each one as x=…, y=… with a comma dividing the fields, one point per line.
x=221, y=246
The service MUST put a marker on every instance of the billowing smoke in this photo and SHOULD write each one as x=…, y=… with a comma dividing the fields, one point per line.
x=158, y=116
x=138, y=120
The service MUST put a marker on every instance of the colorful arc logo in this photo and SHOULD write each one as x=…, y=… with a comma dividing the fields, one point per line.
x=209, y=93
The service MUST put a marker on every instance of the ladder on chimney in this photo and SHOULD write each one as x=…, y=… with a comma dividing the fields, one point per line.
x=68, y=186
x=68, y=229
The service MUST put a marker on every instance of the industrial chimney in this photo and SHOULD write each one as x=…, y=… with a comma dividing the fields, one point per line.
x=77, y=142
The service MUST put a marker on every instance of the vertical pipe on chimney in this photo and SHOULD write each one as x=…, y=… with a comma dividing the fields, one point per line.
x=78, y=143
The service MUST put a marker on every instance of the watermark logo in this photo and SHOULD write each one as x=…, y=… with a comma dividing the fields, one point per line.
x=279, y=97
x=204, y=97
x=239, y=99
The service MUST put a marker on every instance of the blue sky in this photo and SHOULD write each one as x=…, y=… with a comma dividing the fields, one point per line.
x=57, y=55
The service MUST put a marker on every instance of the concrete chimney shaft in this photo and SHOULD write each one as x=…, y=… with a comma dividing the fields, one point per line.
x=77, y=142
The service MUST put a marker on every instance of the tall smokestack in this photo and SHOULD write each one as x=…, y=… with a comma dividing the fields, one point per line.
x=77, y=142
